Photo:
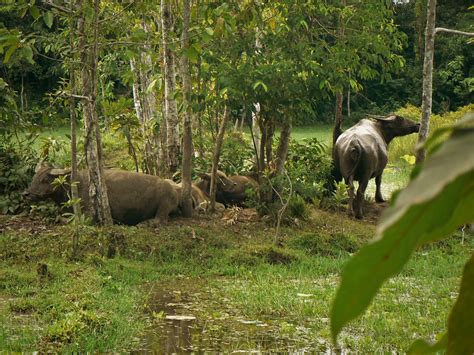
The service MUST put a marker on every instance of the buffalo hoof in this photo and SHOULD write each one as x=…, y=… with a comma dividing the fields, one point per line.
x=380, y=199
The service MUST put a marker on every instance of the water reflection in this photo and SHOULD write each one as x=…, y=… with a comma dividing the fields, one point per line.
x=211, y=327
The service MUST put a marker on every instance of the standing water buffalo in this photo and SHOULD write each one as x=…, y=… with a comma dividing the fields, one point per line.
x=133, y=197
x=360, y=154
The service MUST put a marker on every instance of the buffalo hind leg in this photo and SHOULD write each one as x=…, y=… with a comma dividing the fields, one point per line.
x=378, y=190
x=359, y=199
x=350, y=183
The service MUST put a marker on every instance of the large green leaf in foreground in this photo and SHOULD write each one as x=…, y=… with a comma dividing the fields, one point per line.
x=432, y=206
x=461, y=319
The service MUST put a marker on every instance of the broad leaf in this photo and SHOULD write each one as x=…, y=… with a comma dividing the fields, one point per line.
x=34, y=12
x=150, y=87
x=260, y=83
x=461, y=319
x=422, y=347
x=48, y=19
x=192, y=54
x=434, y=204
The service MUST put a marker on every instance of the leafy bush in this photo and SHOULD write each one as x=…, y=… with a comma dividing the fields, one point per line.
x=298, y=207
x=309, y=167
x=17, y=157
x=406, y=145
x=236, y=155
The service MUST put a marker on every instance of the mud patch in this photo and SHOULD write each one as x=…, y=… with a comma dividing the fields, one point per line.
x=188, y=316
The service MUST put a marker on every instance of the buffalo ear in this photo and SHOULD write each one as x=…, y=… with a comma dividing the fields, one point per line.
x=390, y=118
x=41, y=164
x=59, y=172
x=205, y=176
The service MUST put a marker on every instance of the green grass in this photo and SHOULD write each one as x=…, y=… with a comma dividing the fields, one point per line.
x=101, y=304
x=321, y=132
x=96, y=303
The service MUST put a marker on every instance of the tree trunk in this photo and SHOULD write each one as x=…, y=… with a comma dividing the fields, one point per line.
x=263, y=141
x=348, y=104
x=99, y=203
x=186, y=197
x=72, y=114
x=337, y=118
x=427, y=80
x=282, y=150
x=198, y=121
x=269, y=141
x=419, y=24
x=145, y=104
x=171, y=109
x=216, y=157
x=256, y=136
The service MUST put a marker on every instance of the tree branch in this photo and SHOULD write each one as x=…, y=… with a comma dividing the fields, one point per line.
x=56, y=6
x=442, y=29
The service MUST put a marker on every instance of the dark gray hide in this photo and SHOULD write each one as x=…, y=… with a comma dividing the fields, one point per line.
x=224, y=185
x=238, y=194
x=360, y=154
x=133, y=197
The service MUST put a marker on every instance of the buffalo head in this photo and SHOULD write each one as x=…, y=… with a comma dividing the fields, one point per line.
x=41, y=187
x=396, y=126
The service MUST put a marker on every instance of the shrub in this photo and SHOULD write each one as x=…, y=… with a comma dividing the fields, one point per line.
x=298, y=207
x=309, y=167
x=406, y=145
x=236, y=155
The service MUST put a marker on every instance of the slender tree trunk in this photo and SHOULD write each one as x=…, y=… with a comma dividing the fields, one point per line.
x=186, y=197
x=426, y=101
x=256, y=137
x=145, y=103
x=420, y=17
x=242, y=120
x=263, y=141
x=198, y=120
x=216, y=157
x=337, y=118
x=269, y=142
x=282, y=150
x=348, y=103
x=171, y=109
x=73, y=118
x=99, y=203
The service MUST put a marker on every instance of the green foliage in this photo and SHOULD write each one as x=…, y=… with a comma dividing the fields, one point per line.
x=236, y=155
x=339, y=196
x=17, y=156
x=309, y=168
x=325, y=243
x=298, y=208
x=461, y=320
x=437, y=201
x=406, y=145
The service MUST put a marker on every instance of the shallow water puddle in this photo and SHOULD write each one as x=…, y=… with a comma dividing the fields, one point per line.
x=190, y=317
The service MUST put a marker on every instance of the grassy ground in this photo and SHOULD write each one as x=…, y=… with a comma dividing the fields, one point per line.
x=245, y=293
x=100, y=303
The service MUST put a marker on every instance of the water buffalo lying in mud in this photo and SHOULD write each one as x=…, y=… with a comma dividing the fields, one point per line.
x=360, y=154
x=133, y=197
